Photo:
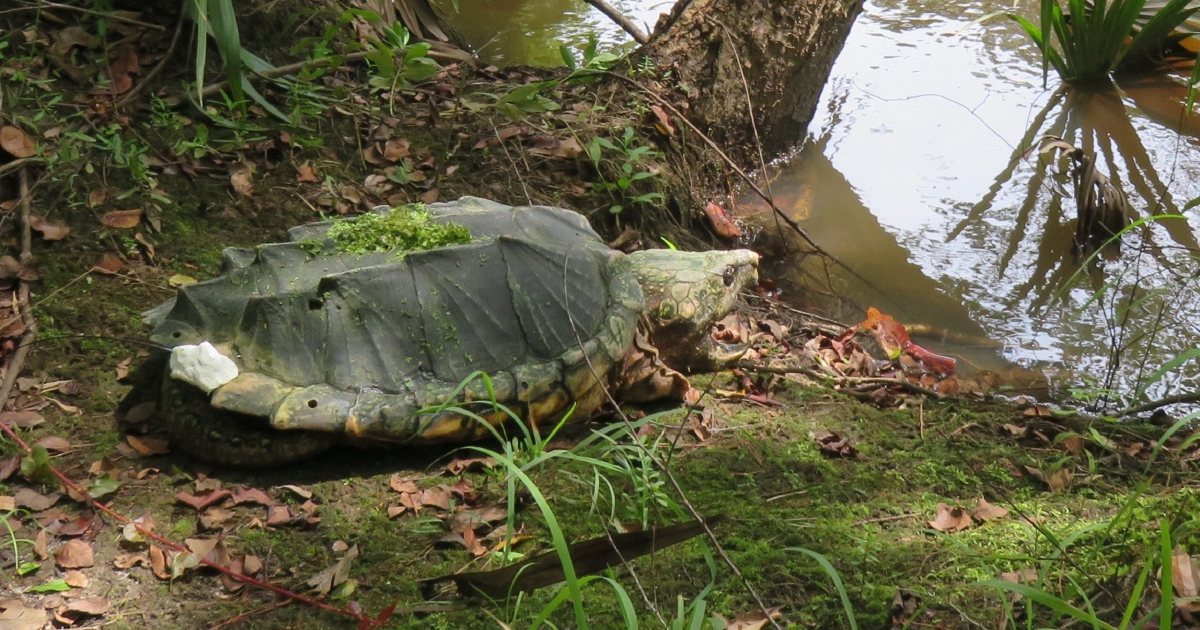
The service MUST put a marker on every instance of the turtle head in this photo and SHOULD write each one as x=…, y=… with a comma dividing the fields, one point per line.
x=686, y=294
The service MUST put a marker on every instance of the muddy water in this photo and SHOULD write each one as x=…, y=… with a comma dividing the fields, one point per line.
x=911, y=178
x=519, y=32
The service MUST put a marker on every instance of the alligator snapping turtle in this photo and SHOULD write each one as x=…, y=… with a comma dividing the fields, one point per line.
x=302, y=344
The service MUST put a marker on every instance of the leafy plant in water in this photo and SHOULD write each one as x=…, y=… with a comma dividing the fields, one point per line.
x=630, y=157
x=1086, y=45
x=593, y=61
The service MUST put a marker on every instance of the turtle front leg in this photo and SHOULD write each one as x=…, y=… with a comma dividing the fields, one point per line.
x=234, y=439
x=641, y=375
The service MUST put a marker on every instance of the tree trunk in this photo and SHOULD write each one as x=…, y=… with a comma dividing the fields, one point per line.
x=786, y=49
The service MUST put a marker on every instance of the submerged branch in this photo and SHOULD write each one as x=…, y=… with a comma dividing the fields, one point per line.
x=1163, y=402
x=621, y=20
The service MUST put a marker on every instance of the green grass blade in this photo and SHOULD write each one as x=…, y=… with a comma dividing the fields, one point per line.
x=556, y=533
x=225, y=31
x=1179, y=360
x=1135, y=597
x=837, y=582
x=1168, y=575
x=200, y=16
x=1048, y=600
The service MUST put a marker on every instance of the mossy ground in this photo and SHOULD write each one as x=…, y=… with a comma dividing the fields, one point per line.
x=868, y=515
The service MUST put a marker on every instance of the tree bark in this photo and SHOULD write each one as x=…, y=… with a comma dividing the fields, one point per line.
x=786, y=49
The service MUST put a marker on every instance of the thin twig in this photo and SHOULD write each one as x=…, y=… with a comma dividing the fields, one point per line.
x=621, y=20
x=1151, y=406
x=14, y=165
x=26, y=212
x=109, y=16
x=149, y=76
x=762, y=161
x=250, y=613
x=884, y=519
x=843, y=380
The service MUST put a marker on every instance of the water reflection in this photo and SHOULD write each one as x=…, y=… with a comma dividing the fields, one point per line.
x=917, y=183
x=525, y=32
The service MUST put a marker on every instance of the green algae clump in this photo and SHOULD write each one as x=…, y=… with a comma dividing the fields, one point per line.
x=405, y=229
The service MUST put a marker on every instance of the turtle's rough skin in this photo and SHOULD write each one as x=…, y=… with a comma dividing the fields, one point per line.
x=333, y=344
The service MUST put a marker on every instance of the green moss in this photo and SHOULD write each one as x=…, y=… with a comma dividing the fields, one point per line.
x=310, y=246
x=404, y=229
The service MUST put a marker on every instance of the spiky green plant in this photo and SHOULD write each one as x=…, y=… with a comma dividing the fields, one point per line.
x=1091, y=40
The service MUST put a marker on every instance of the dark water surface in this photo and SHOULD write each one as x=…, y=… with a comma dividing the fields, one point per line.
x=909, y=177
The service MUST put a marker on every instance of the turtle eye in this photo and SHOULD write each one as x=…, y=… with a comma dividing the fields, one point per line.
x=730, y=275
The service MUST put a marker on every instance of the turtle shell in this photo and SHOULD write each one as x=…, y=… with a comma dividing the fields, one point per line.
x=378, y=345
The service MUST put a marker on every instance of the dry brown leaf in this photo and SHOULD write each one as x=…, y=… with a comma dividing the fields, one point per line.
x=504, y=133
x=662, y=122
x=74, y=554
x=1057, y=481
x=89, y=606
x=252, y=495
x=122, y=219
x=303, y=493
x=41, y=544
x=278, y=515
x=307, y=173
x=950, y=519
x=722, y=224
x=331, y=577
x=436, y=497
x=54, y=444
x=146, y=245
x=97, y=197
x=158, y=562
x=15, y=616
x=51, y=230
x=76, y=579
x=396, y=149
x=396, y=510
x=214, y=518
x=476, y=519
x=147, y=446
x=110, y=264
x=7, y=503
x=1185, y=578
x=399, y=484
x=22, y=419
x=201, y=501
x=35, y=501
x=460, y=466
x=240, y=174
x=123, y=64
x=16, y=142
x=1074, y=445
x=8, y=466
x=985, y=511
x=834, y=444
x=1015, y=431
x=130, y=560
x=755, y=620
